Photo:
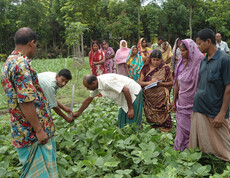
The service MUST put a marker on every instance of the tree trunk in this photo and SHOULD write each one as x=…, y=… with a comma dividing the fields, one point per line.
x=82, y=50
x=139, y=17
x=190, y=21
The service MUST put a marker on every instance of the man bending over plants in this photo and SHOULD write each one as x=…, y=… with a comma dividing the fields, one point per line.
x=125, y=92
x=50, y=83
x=32, y=127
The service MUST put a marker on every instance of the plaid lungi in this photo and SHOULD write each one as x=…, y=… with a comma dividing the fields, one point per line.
x=39, y=160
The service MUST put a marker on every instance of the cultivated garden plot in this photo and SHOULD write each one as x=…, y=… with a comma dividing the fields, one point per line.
x=94, y=146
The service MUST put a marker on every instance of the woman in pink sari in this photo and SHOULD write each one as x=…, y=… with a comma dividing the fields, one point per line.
x=185, y=86
x=109, y=57
x=121, y=56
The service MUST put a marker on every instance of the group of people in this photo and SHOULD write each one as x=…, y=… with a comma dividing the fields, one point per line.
x=145, y=78
x=197, y=72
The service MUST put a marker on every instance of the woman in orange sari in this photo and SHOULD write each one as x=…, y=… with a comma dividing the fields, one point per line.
x=156, y=103
x=97, y=59
x=167, y=53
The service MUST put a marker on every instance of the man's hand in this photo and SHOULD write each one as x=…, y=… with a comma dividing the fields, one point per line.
x=68, y=110
x=69, y=119
x=130, y=113
x=76, y=114
x=42, y=137
x=219, y=120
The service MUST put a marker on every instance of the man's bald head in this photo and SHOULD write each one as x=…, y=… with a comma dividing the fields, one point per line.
x=90, y=82
x=218, y=37
x=89, y=78
x=24, y=35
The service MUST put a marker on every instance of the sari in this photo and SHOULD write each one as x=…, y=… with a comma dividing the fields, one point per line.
x=166, y=54
x=187, y=78
x=145, y=53
x=96, y=57
x=121, y=56
x=176, y=54
x=156, y=103
x=134, y=64
x=110, y=64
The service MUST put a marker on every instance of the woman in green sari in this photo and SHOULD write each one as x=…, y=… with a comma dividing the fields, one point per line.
x=134, y=63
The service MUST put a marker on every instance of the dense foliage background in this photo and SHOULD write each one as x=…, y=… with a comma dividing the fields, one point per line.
x=109, y=19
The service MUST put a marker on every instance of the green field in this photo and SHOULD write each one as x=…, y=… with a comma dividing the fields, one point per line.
x=94, y=146
x=55, y=65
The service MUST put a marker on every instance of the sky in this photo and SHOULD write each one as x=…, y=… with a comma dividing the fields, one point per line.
x=159, y=2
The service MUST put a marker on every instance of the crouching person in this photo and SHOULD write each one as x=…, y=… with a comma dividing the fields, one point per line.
x=125, y=92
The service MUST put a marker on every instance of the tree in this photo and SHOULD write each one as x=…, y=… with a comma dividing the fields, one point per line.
x=190, y=4
x=218, y=18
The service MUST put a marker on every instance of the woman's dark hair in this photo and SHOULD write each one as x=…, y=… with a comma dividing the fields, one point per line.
x=24, y=35
x=95, y=42
x=156, y=54
x=103, y=41
x=183, y=45
x=65, y=73
x=160, y=38
x=143, y=40
x=205, y=34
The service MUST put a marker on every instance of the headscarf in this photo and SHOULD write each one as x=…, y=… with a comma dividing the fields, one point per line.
x=121, y=44
x=122, y=53
x=167, y=53
x=175, y=53
x=96, y=57
x=135, y=64
x=188, y=77
x=144, y=53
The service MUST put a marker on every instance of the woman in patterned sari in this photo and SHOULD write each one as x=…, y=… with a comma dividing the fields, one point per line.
x=97, y=59
x=143, y=49
x=167, y=53
x=134, y=63
x=156, y=103
x=109, y=57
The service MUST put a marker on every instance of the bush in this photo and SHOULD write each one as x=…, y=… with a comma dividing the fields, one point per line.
x=3, y=57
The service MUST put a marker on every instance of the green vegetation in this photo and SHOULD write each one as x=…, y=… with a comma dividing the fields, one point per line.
x=55, y=65
x=94, y=146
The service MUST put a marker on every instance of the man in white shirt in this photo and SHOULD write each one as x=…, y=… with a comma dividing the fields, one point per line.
x=50, y=83
x=125, y=92
x=221, y=44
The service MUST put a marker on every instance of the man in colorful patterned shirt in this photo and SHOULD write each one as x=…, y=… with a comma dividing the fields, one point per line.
x=31, y=121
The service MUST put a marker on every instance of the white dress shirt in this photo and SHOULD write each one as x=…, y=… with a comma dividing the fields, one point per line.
x=111, y=86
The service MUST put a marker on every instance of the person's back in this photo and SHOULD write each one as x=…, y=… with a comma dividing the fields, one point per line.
x=110, y=85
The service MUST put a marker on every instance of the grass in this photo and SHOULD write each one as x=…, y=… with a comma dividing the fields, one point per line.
x=64, y=94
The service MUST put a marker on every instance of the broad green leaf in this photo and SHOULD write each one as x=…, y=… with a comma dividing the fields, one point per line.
x=2, y=171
